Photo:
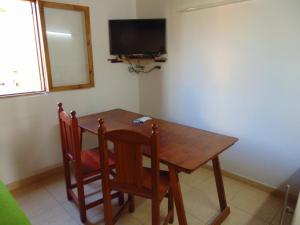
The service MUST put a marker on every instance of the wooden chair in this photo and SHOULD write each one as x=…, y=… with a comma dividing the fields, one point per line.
x=86, y=163
x=131, y=177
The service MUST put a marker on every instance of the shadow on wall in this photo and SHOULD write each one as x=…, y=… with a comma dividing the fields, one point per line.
x=29, y=154
x=24, y=152
x=34, y=144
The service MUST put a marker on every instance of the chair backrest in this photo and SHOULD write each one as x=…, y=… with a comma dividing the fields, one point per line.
x=70, y=138
x=128, y=154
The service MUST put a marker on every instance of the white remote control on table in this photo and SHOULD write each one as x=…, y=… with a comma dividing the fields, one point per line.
x=142, y=119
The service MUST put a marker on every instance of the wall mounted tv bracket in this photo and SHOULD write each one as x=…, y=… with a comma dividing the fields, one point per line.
x=139, y=63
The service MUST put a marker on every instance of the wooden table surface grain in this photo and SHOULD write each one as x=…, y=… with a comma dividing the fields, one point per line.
x=183, y=147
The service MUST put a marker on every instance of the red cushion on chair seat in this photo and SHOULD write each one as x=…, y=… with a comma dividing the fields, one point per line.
x=90, y=161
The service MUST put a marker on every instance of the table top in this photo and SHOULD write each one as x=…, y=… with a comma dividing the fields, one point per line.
x=184, y=147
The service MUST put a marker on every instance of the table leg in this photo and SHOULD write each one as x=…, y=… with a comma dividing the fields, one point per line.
x=225, y=210
x=175, y=185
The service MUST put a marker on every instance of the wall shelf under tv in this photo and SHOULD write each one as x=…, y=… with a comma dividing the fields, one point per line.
x=138, y=64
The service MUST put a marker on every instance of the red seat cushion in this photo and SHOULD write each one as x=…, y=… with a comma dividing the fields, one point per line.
x=90, y=161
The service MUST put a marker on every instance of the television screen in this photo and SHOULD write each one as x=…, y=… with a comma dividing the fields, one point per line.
x=134, y=37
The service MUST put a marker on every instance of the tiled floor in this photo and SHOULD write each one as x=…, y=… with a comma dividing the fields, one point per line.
x=46, y=204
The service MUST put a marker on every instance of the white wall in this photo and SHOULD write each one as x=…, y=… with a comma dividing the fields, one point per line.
x=232, y=69
x=235, y=70
x=29, y=136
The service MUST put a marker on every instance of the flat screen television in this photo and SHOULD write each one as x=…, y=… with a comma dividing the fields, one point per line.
x=137, y=37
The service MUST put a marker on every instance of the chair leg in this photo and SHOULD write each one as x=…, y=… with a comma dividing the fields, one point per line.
x=67, y=178
x=121, y=199
x=131, y=203
x=108, y=217
x=155, y=212
x=81, y=200
x=171, y=206
x=175, y=185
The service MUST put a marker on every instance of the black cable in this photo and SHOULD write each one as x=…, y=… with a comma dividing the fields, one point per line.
x=153, y=68
x=133, y=69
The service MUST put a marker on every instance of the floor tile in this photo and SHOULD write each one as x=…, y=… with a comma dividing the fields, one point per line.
x=232, y=188
x=95, y=215
x=191, y=220
x=125, y=219
x=257, y=203
x=239, y=217
x=35, y=201
x=143, y=213
x=199, y=204
x=55, y=185
x=196, y=178
x=129, y=219
x=46, y=203
x=54, y=216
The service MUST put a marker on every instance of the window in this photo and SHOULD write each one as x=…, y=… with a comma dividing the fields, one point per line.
x=21, y=68
x=67, y=42
x=44, y=48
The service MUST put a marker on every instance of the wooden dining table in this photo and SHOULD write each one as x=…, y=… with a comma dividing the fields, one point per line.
x=182, y=149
